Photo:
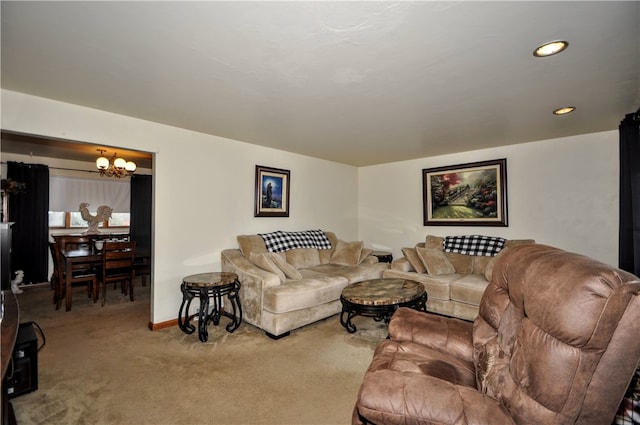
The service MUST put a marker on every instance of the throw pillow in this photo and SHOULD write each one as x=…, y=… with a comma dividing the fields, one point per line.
x=434, y=242
x=346, y=253
x=265, y=262
x=435, y=261
x=364, y=254
x=286, y=268
x=412, y=257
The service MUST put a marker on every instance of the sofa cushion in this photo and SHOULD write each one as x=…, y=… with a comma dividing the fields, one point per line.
x=462, y=263
x=251, y=243
x=480, y=263
x=435, y=262
x=265, y=262
x=517, y=242
x=312, y=290
x=434, y=242
x=347, y=253
x=413, y=358
x=364, y=254
x=437, y=287
x=280, y=260
x=302, y=258
x=468, y=289
x=325, y=254
x=352, y=273
x=414, y=259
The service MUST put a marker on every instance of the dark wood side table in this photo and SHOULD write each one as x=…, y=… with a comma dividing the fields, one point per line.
x=383, y=256
x=210, y=286
x=380, y=298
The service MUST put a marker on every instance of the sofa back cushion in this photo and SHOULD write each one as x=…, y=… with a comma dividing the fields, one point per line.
x=435, y=261
x=346, y=253
x=303, y=258
x=461, y=263
x=265, y=261
x=299, y=258
x=466, y=264
x=325, y=254
x=251, y=243
x=413, y=258
x=556, y=339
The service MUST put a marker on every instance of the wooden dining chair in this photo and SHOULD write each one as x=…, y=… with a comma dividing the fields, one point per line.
x=117, y=266
x=66, y=242
x=54, y=276
x=142, y=264
x=83, y=273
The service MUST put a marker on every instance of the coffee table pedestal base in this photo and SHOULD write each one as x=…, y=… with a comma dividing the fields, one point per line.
x=381, y=310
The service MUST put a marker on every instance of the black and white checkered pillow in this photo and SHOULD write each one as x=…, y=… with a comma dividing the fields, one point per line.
x=486, y=246
x=283, y=241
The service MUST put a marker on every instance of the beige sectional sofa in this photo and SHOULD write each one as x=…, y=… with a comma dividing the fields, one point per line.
x=282, y=291
x=454, y=282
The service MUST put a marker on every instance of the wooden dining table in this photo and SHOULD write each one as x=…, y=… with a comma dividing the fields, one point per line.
x=86, y=255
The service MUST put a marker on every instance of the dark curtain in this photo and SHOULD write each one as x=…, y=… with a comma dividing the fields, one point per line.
x=629, y=238
x=140, y=227
x=30, y=212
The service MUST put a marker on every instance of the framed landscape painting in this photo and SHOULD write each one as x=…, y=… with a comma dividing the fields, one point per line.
x=272, y=192
x=473, y=194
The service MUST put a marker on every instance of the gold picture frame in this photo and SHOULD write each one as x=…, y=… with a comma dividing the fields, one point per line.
x=472, y=194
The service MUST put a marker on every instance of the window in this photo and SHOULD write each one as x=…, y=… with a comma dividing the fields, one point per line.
x=67, y=193
x=73, y=219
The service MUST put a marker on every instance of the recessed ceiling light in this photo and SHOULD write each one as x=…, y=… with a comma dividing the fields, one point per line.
x=551, y=48
x=565, y=110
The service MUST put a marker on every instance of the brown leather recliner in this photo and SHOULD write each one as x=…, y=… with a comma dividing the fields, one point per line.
x=557, y=341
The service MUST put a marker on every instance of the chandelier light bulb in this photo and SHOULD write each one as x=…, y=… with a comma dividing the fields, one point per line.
x=119, y=163
x=130, y=166
x=102, y=163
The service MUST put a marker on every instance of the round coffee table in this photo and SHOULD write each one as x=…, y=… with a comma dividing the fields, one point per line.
x=208, y=286
x=380, y=298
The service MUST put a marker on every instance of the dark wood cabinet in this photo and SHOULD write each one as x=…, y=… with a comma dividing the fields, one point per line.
x=5, y=252
x=10, y=322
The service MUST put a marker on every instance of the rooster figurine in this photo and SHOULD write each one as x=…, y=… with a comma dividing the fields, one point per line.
x=103, y=213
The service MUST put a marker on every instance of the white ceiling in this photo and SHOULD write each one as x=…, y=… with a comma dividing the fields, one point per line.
x=359, y=83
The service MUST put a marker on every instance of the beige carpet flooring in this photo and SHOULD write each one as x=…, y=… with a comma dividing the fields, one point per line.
x=102, y=365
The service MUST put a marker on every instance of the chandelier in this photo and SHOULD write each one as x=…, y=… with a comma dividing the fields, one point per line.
x=116, y=167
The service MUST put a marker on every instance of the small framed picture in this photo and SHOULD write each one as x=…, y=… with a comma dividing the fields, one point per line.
x=473, y=194
x=272, y=192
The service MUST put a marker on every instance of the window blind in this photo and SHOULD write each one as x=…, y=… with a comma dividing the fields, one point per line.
x=67, y=193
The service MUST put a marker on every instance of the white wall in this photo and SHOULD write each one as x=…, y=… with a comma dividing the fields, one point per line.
x=562, y=192
x=203, y=187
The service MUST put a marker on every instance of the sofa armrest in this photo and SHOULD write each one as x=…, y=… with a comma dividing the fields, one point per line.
x=445, y=334
x=370, y=259
x=401, y=264
x=389, y=397
x=248, y=273
x=253, y=281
